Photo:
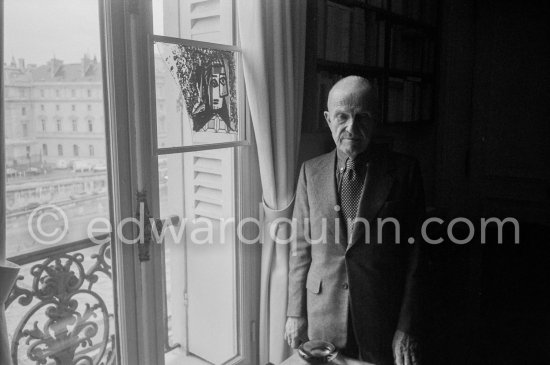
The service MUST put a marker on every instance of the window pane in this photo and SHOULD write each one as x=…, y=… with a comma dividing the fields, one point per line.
x=54, y=187
x=200, y=267
x=200, y=20
x=196, y=95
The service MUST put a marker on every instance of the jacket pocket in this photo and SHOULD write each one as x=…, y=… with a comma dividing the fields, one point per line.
x=313, y=284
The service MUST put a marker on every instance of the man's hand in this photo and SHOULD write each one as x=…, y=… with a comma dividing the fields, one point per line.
x=296, y=331
x=405, y=349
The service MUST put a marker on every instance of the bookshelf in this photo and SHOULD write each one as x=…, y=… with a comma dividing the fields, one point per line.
x=391, y=42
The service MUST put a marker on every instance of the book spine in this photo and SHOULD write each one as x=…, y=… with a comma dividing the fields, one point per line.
x=358, y=40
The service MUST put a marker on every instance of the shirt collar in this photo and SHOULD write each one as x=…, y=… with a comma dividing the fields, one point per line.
x=362, y=158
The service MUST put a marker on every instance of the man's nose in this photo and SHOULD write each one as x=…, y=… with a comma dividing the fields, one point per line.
x=352, y=125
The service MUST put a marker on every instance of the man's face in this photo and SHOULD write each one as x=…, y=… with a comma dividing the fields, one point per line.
x=350, y=120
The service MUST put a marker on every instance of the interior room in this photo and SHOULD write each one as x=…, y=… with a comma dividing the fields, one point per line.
x=274, y=182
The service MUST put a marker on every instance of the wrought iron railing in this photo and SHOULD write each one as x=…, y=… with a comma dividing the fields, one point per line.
x=61, y=309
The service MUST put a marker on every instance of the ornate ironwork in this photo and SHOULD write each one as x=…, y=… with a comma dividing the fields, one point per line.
x=69, y=322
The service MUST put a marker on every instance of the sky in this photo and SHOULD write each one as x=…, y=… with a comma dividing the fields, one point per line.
x=38, y=30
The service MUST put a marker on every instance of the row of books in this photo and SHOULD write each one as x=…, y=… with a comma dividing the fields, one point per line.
x=409, y=100
x=422, y=10
x=411, y=50
x=376, y=3
x=325, y=81
x=348, y=35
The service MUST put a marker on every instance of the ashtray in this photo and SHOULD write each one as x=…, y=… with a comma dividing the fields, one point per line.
x=317, y=352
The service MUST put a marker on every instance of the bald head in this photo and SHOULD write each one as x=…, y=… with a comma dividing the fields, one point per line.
x=351, y=116
x=353, y=88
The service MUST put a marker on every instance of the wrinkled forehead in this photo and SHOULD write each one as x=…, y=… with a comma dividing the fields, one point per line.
x=354, y=98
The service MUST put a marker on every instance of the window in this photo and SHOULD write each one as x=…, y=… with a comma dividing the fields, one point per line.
x=89, y=108
x=25, y=129
x=195, y=181
x=23, y=111
x=42, y=107
x=73, y=107
x=198, y=181
x=75, y=125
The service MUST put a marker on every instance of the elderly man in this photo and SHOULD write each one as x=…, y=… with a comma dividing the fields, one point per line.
x=354, y=278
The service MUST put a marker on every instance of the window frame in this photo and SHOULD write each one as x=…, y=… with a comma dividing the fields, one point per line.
x=247, y=192
x=124, y=28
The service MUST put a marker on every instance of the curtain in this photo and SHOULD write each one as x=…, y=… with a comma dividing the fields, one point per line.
x=272, y=38
x=8, y=275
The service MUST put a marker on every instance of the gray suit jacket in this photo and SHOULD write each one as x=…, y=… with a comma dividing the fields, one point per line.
x=374, y=277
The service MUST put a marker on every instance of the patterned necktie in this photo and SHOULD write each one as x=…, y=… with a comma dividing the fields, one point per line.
x=351, y=188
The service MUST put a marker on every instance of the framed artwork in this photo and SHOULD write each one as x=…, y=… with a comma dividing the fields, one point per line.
x=197, y=95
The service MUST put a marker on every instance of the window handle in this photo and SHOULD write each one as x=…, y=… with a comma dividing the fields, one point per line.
x=148, y=220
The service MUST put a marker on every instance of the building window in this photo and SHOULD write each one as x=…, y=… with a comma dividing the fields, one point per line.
x=75, y=150
x=54, y=84
x=23, y=111
x=89, y=93
x=75, y=125
x=90, y=125
x=89, y=108
x=25, y=130
x=91, y=150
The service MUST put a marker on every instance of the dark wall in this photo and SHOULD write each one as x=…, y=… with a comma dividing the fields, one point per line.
x=490, y=301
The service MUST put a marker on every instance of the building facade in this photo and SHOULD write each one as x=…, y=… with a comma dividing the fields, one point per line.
x=54, y=115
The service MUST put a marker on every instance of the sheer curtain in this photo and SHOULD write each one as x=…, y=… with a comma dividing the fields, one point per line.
x=272, y=38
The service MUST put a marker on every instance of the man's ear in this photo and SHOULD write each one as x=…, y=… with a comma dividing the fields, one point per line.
x=327, y=117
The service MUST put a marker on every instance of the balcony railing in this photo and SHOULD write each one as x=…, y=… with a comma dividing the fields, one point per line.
x=60, y=310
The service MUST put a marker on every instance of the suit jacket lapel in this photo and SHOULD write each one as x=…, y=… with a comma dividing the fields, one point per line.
x=325, y=177
x=375, y=191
